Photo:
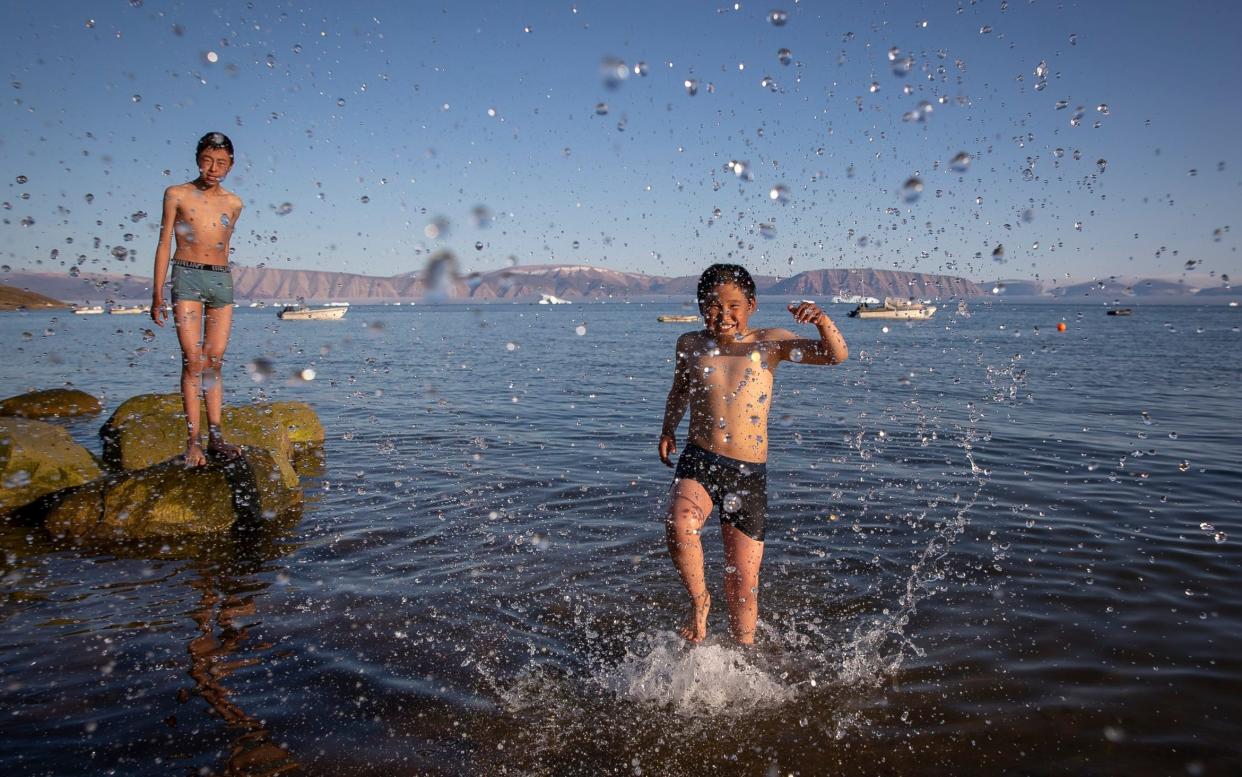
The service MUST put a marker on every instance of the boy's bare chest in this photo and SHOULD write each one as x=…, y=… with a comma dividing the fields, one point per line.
x=717, y=377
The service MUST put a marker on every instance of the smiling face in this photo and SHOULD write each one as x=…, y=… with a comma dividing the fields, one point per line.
x=726, y=311
x=213, y=165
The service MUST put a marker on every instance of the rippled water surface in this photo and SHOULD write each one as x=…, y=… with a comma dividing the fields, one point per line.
x=993, y=547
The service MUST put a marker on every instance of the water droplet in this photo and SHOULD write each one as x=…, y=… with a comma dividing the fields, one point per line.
x=478, y=246
x=284, y=209
x=1101, y=163
x=780, y=193
x=297, y=48
x=998, y=253
x=1073, y=39
x=613, y=71
x=260, y=369
x=580, y=330
x=90, y=24
x=75, y=272
x=1102, y=108
x=1146, y=417
x=364, y=199
x=136, y=98
x=960, y=162
x=732, y=503
x=1184, y=466
x=641, y=69
x=784, y=56
x=511, y=346
x=601, y=109
x=491, y=112
x=692, y=86
x=22, y=179
x=767, y=231
x=884, y=329
x=120, y=252
x=985, y=29
x=340, y=101
x=211, y=57
x=875, y=87
x=795, y=354
x=306, y=374
x=911, y=189
x=777, y=18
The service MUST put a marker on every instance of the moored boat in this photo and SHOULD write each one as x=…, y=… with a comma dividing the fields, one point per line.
x=1119, y=312
x=88, y=310
x=549, y=299
x=895, y=309
x=853, y=299
x=307, y=313
x=683, y=319
x=129, y=310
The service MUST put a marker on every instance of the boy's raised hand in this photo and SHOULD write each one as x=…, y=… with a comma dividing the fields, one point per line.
x=668, y=445
x=805, y=312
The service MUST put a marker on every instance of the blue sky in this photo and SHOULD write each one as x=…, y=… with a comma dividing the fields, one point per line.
x=371, y=121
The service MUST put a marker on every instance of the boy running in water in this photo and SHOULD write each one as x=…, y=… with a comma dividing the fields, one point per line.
x=724, y=374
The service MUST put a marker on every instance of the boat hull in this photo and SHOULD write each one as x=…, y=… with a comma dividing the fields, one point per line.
x=924, y=312
x=313, y=314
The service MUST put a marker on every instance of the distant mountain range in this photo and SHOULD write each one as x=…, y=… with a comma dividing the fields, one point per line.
x=573, y=282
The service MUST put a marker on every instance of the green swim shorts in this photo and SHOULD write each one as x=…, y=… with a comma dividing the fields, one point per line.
x=210, y=284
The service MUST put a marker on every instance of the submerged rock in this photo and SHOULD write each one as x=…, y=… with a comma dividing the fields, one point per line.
x=168, y=500
x=51, y=403
x=151, y=428
x=37, y=458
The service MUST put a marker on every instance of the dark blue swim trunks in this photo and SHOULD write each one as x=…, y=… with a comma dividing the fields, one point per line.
x=738, y=489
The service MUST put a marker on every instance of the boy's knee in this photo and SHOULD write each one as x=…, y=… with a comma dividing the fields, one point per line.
x=213, y=359
x=192, y=360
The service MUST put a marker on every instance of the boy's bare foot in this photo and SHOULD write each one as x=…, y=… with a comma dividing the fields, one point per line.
x=695, y=629
x=194, y=455
x=217, y=447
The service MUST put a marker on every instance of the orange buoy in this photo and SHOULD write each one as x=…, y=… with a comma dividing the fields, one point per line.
x=1060, y=326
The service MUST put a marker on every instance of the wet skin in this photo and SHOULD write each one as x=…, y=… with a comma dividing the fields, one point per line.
x=202, y=215
x=724, y=376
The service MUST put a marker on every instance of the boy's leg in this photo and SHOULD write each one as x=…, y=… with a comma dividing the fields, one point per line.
x=743, y=555
x=215, y=342
x=689, y=506
x=188, y=318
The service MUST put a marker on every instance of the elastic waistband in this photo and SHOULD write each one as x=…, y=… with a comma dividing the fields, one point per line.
x=745, y=467
x=201, y=266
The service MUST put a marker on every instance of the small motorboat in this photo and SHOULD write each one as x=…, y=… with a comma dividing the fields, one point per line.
x=89, y=310
x=678, y=319
x=549, y=299
x=308, y=313
x=895, y=308
x=128, y=310
x=1119, y=312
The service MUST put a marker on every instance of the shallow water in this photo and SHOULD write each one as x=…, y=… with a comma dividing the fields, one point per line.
x=992, y=547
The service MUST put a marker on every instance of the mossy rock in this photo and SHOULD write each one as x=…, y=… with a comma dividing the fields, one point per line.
x=51, y=403
x=169, y=500
x=37, y=458
x=301, y=423
x=151, y=428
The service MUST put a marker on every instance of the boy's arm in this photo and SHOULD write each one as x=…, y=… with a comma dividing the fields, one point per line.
x=830, y=348
x=675, y=405
x=163, y=250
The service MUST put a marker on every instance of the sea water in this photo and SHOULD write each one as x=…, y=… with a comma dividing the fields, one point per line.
x=992, y=545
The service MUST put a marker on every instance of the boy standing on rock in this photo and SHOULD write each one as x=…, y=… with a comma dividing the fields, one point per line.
x=724, y=374
x=203, y=215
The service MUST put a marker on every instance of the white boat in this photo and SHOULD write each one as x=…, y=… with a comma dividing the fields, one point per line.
x=678, y=319
x=89, y=310
x=307, y=313
x=853, y=299
x=548, y=299
x=895, y=308
x=129, y=310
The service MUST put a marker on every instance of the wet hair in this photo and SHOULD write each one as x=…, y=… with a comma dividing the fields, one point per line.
x=214, y=140
x=717, y=274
